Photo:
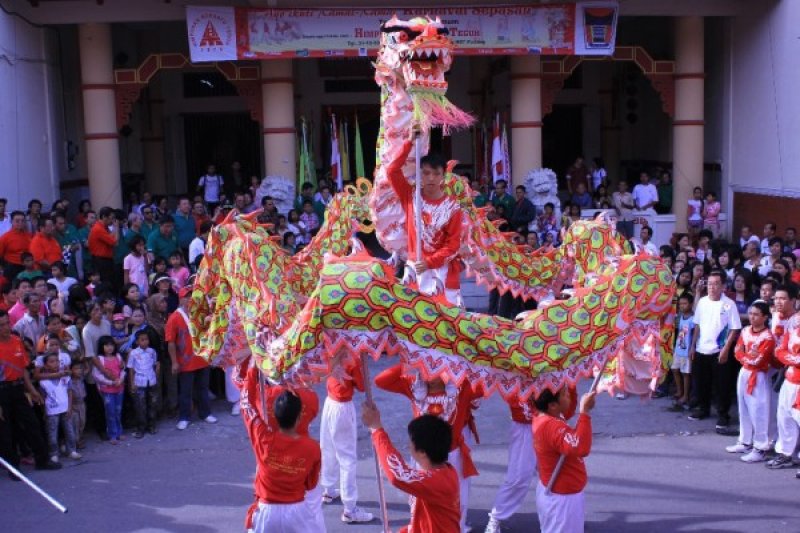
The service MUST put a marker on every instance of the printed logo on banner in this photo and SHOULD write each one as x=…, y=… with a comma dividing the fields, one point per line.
x=212, y=33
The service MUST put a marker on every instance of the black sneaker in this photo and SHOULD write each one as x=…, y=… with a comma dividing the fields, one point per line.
x=138, y=434
x=49, y=465
x=780, y=462
x=678, y=408
x=797, y=474
x=723, y=422
x=698, y=414
x=152, y=430
x=658, y=394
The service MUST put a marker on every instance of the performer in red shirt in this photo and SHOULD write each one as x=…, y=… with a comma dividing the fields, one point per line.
x=338, y=440
x=521, y=465
x=783, y=303
x=789, y=398
x=101, y=243
x=448, y=402
x=562, y=509
x=434, y=486
x=288, y=463
x=755, y=349
x=439, y=267
x=13, y=244
x=44, y=246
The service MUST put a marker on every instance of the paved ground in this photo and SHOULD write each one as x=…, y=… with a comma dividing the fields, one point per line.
x=650, y=470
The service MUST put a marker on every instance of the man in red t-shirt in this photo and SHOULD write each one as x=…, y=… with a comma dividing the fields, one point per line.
x=103, y=237
x=193, y=371
x=438, y=267
x=44, y=246
x=561, y=509
x=288, y=462
x=13, y=244
x=18, y=419
x=435, y=506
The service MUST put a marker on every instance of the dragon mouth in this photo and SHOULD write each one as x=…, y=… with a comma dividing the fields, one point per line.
x=424, y=67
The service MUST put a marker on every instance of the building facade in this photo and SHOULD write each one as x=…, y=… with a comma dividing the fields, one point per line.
x=99, y=99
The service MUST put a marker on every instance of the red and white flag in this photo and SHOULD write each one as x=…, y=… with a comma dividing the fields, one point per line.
x=336, y=158
x=499, y=168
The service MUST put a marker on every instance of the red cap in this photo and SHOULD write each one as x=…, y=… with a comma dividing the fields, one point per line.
x=185, y=292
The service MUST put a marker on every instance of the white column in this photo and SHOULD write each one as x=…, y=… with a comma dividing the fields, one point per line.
x=99, y=115
x=689, y=120
x=277, y=94
x=526, y=116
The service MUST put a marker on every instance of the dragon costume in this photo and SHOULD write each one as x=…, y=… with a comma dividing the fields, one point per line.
x=297, y=314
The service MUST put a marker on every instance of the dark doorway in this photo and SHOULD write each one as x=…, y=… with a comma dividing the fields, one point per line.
x=221, y=139
x=368, y=125
x=562, y=139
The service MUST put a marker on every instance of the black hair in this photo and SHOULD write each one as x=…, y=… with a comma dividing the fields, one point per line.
x=666, y=251
x=790, y=289
x=26, y=255
x=287, y=409
x=60, y=266
x=688, y=296
x=771, y=280
x=762, y=306
x=75, y=363
x=705, y=233
x=720, y=274
x=206, y=226
x=103, y=341
x=135, y=240
x=550, y=205
x=166, y=219
x=433, y=160
x=776, y=240
x=47, y=356
x=432, y=436
x=543, y=401
x=140, y=333
x=521, y=188
x=104, y=212
x=52, y=318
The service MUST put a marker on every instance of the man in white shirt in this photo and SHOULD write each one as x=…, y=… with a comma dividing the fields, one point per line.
x=770, y=230
x=645, y=194
x=5, y=219
x=32, y=324
x=198, y=245
x=211, y=184
x=747, y=236
x=717, y=326
x=644, y=244
x=624, y=204
x=754, y=261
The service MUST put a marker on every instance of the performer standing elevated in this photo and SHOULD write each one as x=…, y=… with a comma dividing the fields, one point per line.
x=438, y=265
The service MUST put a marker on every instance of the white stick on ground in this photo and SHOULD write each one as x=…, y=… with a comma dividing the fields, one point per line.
x=55, y=503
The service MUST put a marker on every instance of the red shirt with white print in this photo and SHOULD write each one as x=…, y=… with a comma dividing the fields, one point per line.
x=552, y=437
x=789, y=354
x=755, y=352
x=435, y=504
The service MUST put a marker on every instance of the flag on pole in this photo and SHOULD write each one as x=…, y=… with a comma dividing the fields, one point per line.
x=506, y=158
x=344, y=150
x=498, y=161
x=308, y=172
x=336, y=158
x=360, y=172
x=301, y=160
x=312, y=163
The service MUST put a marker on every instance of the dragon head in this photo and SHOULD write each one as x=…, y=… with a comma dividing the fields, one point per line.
x=413, y=58
x=419, y=51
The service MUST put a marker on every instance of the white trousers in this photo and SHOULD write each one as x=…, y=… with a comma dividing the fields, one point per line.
x=338, y=441
x=559, y=513
x=754, y=410
x=788, y=420
x=772, y=431
x=520, y=474
x=231, y=391
x=285, y=518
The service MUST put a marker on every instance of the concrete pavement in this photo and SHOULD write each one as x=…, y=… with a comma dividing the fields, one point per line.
x=650, y=470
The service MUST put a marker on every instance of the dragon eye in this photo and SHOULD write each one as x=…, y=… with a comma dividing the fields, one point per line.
x=402, y=37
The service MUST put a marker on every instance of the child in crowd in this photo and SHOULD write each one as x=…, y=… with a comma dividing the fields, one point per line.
x=434, y=486
x=694, y=212
x=131, y=299
x=58, y=408
x=78, y=388
x=134, y=266
x=289, y=242
x=159, y=270
x=338, y=438
x=144, y=366
x=311, y=221
x=547, y=223
x=178, y=271
x=30, y=270
x=112, y=389
x=561, y=509
x=60, y=280
x=711, y=210
x=754, y=350
x=681, y=360
x=288, y=463
x=94, y=282
x=119, y=328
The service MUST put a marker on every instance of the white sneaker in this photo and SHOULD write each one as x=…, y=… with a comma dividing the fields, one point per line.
x=493, y=526
x=183, y=424
x=330, y=497
x=621, y=396
x=236, y=409
x=357, y=515
x=75, y=455
x=755, y=456
x=54, y=458
x=210, y=419
x=738, y=448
